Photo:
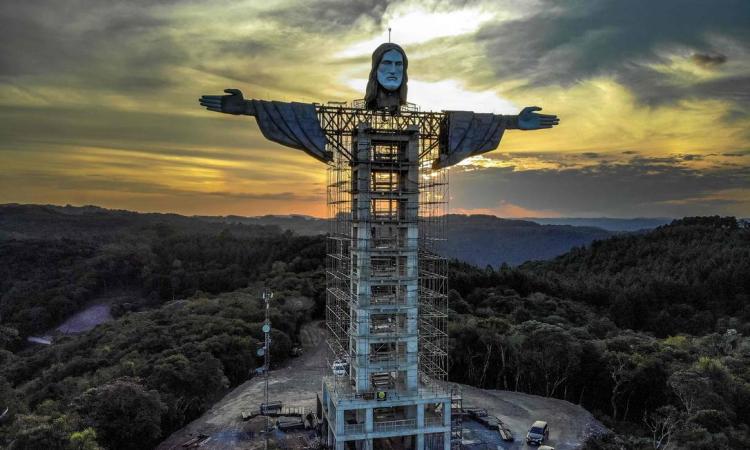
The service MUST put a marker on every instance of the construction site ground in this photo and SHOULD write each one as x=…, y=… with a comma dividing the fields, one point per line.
x=297, y=385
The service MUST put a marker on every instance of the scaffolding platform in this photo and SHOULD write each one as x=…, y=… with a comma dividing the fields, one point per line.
x=386, y=285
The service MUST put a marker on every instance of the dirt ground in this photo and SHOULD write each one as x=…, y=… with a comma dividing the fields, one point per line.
x=569, y=424
x=297, y=385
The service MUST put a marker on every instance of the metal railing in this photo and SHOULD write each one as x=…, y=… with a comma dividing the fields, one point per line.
x=354, y=428
x=394, y=425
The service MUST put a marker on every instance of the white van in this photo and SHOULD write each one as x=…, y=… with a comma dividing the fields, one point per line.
x=339, y=368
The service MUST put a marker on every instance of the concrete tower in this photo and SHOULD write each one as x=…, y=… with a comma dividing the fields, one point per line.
x=387, y=305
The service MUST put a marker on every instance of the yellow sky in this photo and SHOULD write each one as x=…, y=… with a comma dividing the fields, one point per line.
x=99, y=102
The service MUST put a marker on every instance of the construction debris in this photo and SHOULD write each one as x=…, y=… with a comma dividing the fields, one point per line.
x=197, y=441
x=290, y=423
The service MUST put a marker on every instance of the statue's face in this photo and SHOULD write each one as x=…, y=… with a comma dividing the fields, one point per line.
x=391, y=70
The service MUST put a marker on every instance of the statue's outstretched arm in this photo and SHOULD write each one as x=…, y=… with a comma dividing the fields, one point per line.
x=234, y=103
x=527, y=119
x=294, y=125
x=470, y=134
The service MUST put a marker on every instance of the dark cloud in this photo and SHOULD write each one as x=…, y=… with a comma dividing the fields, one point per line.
x=734, y=88
x=246, y=47
x=737, y=154
x=105, y=127
x=331, y=15
x=120, y=47
x=708, y=60
x=46, y=37
x=653, y=88
x=640, y=186
x=693, y=157
x=571, y=41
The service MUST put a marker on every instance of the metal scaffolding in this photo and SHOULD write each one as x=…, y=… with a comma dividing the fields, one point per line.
x=386, y=307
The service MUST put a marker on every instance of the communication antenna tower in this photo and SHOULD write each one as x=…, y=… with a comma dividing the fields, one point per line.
x=267, y=296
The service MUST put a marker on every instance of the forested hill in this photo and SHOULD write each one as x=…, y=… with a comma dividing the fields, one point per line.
x=477, y=239
x=92, y=223
x=185, y=330
x=184, y=298
x=488, y=240
x=687, y=277
x=60, y=262
x=648, y=332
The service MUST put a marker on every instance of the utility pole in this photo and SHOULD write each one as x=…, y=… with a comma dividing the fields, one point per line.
x=267, y=296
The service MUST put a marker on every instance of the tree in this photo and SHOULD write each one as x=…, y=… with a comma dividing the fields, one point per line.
x=551, y=353
x=663, y=424
x=36, y=432
x=9, y=337
x=689, y=387
x=9, y=400
x=125, y=414
x=84, y=440
x=621, y=371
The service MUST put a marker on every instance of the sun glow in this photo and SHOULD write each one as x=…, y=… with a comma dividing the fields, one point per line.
x=418, y=26
x=448, y=95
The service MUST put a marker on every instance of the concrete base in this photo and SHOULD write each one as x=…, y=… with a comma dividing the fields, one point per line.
x=353, y=419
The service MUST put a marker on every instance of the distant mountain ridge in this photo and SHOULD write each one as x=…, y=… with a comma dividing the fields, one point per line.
x=606, y=223
x=93, y=223
x=477, y=239
x=488, y=240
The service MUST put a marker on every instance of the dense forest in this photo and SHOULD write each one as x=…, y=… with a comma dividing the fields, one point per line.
x=186, y=328
x=649, y=332
x=584, y=327
x=687, y=277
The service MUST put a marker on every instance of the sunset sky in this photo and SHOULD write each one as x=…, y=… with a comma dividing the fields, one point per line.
x=98, y=100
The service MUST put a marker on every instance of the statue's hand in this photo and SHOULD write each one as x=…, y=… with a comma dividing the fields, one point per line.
x=529, y=120
x=234, y=103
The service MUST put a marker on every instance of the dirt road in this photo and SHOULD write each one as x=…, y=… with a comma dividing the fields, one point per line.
x=570, y=424
x=297, y=385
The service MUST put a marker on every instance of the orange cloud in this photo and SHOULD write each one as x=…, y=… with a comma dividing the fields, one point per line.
x=507, y=209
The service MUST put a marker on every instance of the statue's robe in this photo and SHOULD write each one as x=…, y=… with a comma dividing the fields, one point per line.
x=463, y=133
x=293, y=125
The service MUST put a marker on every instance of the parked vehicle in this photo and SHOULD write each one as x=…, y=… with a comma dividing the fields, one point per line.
x=546, y=447
x=339, y=368
x=538, y=433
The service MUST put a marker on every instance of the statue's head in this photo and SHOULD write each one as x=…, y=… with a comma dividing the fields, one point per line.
x=388, y=76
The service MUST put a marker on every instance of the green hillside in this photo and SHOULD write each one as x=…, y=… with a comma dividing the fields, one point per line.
x=584, y=327
x=687, y=277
